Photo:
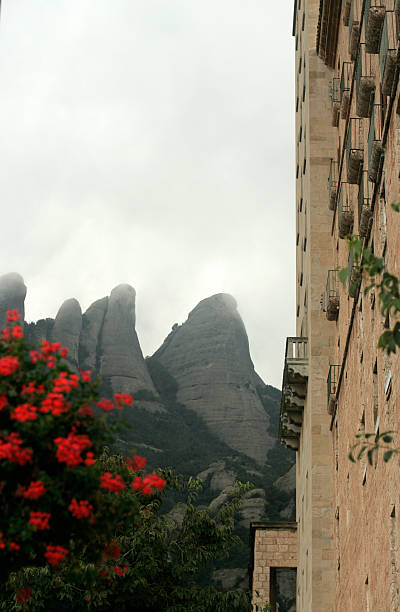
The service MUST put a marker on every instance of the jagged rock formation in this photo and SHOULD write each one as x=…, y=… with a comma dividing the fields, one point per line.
x=209, y=358
x=12, y=295
x=199, y=405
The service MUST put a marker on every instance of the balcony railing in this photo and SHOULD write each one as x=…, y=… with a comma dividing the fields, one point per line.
x=354, y=149
x=365, y=82
x=345, y=86
x=355, y=274
x=364, y=205
x=387, y=52
x=332, y=184
x=346, y=11
x=373, y=18
x=354, y=29
x=294, y=389
x=332, y=295
x=332, y=383
x=335, y=101
x=375, y=149
x=346, y=210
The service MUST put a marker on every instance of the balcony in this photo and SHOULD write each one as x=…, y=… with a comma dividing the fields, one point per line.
x=354, y=276
x=332, y=296
x=375, y=149
x=346, y=12
x=332, y=184
x=354, y=31
x=335, y=101
x=294, y=390
x=364, y=205
x=332, y=383
x=373, y=16
x=388, y=53
x=354, y=150
x=365, y=82
x=346, y=209
x=345, y=86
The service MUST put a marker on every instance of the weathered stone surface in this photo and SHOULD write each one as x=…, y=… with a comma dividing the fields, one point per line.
x=121, y=363
x=287, y=482
x=35, y=333
x=12, y=295
x=252, y=508
x=67, y=328
x=209, y=357
x=92, y=324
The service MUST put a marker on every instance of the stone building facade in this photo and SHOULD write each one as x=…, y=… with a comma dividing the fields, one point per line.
x=336, y=381
x=273, y=548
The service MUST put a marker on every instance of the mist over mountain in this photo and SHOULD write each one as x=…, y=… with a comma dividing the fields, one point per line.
x=199, y=406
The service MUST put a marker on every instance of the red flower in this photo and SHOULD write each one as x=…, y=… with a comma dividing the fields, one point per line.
x=112, y=550
x=69, y=449
x=85, y=411
x=3, y=401
x=116, y=484
x=40, y=520
x=81, y=509
x=137, y=463
x=85, y=375
x=148, y=484
x=31, y=389
x=16, y=332
x=35, y=490
x=123, y=398
x=12, y=315
x=120, y=571
x=54, y=403
x=14, y=546
x=105, y=404
x=103, y=574
x=10, y=448
x=55, y=554
x=23, y=595
x=90, y=460
x=8, y=365
x=24, y=412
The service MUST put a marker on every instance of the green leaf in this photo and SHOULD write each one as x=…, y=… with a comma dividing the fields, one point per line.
x=350, y=455
x=343, y=275
x=387, y=438
x=396, y=206
x=370, y=455
x=360, y=454
x=387, y=455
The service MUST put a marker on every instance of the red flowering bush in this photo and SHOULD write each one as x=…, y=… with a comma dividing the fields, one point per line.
x=58, y=505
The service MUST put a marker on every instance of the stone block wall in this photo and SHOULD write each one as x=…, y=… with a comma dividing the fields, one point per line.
x=273, y=545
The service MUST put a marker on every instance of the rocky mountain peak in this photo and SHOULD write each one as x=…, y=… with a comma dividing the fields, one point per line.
x=12, y=295
x=209, y=358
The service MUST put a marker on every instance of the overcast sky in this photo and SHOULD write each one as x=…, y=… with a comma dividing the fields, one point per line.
x=151, y=142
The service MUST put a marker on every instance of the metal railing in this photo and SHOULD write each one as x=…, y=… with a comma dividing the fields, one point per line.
x=296, y=349
x=332, y=382
x=335, y=90
x=345, y=209
x=332, y=295
x=388, y=40
x=332, y=183
x=365, y=67
x=346, y=78
x=375, y=135
x=354, y=144
x=364, y=194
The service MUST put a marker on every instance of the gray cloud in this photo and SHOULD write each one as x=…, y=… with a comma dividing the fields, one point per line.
x=151, y=142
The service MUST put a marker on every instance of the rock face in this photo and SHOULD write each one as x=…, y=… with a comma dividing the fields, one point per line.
x=209, y=358
x=12, y=295
x=121, y=358
x=67, y=330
